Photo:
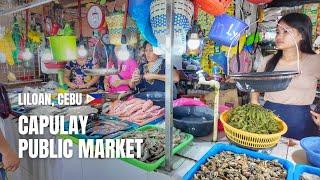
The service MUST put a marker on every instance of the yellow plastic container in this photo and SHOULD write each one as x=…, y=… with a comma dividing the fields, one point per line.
x=252, y=140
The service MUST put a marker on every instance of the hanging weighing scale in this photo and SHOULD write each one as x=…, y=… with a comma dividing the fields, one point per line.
x=95, y=17
x=263, y=81
x=96, y=20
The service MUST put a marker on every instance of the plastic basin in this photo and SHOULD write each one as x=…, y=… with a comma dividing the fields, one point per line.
x=300, y=169
x=196, y=120
x=312, y=147
x=64, y=48
x=226, y=30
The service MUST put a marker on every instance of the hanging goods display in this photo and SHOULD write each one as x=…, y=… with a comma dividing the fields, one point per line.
x=214, y=7
x=139, y=10
x=183, y=12
x=115, y=22
x=219, y=58
x=264, y=81
x=101, y=71
x=7, y=46
x=226, y=30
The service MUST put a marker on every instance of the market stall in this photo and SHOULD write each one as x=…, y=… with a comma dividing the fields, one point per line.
x=186, y=92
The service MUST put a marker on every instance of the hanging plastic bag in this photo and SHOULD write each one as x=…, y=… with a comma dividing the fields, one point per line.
x=245, y=63
x=139, y=10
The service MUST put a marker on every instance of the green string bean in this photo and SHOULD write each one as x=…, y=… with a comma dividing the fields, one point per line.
x=253, y=118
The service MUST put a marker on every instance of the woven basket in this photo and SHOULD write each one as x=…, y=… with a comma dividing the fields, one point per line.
x=252, y=140
x=114, y=23
x=183, y=12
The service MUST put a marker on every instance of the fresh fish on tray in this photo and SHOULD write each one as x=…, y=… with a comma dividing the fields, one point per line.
x=135, y=110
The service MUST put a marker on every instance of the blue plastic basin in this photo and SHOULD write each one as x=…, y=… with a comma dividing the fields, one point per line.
x=300, y=169
x=312, y=147
x=226, y=30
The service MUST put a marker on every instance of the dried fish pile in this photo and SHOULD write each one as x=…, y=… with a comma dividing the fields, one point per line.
x=253, y=118
x=228, y=165
x=307, y=176
x=153, y=147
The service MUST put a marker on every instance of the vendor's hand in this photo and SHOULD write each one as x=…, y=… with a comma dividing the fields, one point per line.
x=73, y=86
x=106, y=86
x=148, y=76
x=84, y=86
x=136, y=76
x=316, y=117
x=11, y=161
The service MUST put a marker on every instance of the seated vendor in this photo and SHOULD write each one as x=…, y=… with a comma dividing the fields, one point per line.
x=151, y=75
x=120, y=82
x=74, y=75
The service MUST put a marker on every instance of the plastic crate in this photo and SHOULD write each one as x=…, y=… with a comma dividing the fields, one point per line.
x=300, y=169
x=216, y=149
x=159, y=162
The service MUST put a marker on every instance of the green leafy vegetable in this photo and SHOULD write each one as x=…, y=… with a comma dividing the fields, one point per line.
x=253, y=118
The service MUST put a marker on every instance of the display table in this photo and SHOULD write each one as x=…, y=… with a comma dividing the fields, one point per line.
x=101, y=169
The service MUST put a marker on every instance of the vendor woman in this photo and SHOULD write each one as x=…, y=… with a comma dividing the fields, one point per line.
x=293, y=104
x=120, y=82
x=74, y=75
x=151, y=75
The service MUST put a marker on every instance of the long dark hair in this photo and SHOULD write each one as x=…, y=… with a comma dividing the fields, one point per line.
x=303, y=24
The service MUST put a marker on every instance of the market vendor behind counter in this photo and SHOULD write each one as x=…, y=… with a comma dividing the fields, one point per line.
x=150, y=76
x=74, y=75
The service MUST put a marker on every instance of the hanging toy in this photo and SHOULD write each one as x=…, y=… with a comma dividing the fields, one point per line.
x=66, y=31
x=55, y=29
x=16, y=33
x=16, y=37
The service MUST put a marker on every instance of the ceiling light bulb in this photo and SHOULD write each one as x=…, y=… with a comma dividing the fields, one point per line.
x=194, y=41
x=82, y=51
x=27, y=55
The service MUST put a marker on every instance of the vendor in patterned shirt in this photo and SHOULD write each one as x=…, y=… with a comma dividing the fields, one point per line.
x=74, y=75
